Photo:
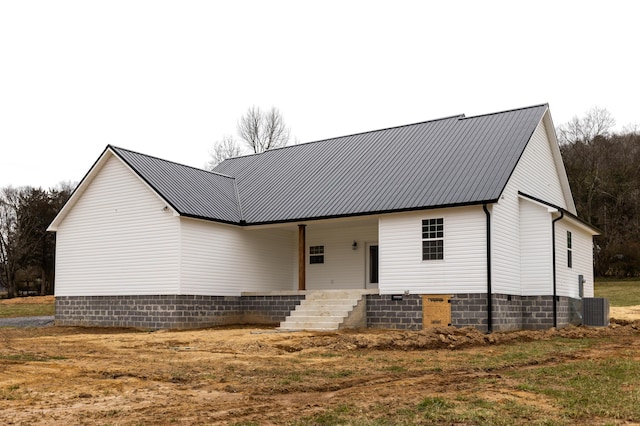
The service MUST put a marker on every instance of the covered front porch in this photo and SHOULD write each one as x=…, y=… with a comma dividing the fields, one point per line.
x=332, y=254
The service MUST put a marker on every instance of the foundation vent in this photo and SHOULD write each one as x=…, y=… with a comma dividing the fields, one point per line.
x=595, y=311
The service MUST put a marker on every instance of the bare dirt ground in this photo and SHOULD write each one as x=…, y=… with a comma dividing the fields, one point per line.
x=65, y=375
x=630, y=313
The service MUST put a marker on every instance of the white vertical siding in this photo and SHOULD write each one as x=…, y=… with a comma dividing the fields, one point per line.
x=464, y=268
x=536, y=175
x=343, y=267
x=226, y=260
x=117, y=239
x=582, y=248
x=535, y=250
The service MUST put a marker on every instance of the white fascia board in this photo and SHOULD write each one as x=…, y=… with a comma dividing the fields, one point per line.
x=579, y=224
x=557, y=157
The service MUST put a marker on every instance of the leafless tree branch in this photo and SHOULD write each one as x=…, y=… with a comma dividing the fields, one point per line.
x=225, y=148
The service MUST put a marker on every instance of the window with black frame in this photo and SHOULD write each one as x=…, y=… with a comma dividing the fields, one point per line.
x=316, y=254
x=569, y=250
x=433, y=239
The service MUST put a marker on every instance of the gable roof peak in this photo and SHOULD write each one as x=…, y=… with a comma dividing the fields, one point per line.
x=119, y=150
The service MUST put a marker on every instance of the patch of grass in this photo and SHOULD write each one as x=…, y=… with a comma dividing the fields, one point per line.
x=395, y=368
x=524, y=354
x=26, y=310
x=435, y=408
x=329, y=417
x=607, y=388
x=291, y=378
x=28, y=357
x=10, y=393
x=330, y=355
x=619, y=292
x=339, y=374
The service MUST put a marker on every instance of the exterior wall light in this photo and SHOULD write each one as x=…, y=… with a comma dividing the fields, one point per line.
x=354, y=246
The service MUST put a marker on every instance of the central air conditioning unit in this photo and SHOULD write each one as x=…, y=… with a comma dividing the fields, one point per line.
x=595, y=311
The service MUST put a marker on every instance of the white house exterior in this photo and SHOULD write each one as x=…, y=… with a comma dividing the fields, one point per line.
x=463, y=207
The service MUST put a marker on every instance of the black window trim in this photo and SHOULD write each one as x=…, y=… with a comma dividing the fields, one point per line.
x=316, y=255
x=433, y=239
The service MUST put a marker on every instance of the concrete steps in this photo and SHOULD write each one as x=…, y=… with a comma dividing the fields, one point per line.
x=328, y=310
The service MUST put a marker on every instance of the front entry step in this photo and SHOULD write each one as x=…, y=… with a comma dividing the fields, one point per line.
x=328, y=310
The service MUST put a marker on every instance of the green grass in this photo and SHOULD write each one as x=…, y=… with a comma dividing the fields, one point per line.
x=28, y=357
x=619, y=292
x=570, y=390
x=26, y=310
x=605, y=388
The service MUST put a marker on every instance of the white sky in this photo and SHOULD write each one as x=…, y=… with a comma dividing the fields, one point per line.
x=168, y=78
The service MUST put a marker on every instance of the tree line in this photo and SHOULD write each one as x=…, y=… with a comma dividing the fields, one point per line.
x=27, y=250
x=603, y=168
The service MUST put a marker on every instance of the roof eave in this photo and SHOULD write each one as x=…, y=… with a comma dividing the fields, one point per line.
x=581, y=222
x=371, y=213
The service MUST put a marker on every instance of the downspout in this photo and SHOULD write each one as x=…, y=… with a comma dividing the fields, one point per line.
x=553, y=259
x=489, y=301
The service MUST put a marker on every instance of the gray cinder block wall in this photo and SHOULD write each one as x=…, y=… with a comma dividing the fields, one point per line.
x=404, y=311
x=172, y=311
x=398, y=312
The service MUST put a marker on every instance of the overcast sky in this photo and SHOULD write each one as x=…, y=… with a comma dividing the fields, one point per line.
x=169, y=78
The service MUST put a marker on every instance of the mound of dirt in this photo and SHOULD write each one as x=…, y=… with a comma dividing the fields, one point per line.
x=446, y=337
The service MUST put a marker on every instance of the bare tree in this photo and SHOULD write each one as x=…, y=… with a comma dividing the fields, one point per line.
x=596, y=122
x=25, y=244
x=8, y=225
x=263, y=130
x=227, y=147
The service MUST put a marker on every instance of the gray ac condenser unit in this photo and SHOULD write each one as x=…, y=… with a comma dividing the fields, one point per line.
x=595, y=311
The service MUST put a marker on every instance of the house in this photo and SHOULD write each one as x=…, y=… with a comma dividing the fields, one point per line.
x=475, y=212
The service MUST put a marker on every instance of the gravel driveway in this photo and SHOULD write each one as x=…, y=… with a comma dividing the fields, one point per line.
x=27, y=322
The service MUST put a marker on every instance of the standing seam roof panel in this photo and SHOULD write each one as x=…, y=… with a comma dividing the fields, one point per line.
x=446, y=162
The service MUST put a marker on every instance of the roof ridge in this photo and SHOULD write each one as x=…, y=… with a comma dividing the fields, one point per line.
x=169, y=161
x=458, y=116
x=505, y=111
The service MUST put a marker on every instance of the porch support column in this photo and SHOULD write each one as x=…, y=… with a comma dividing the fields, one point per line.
x=302, y=261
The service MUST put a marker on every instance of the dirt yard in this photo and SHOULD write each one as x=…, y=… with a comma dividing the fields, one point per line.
x=242, y=376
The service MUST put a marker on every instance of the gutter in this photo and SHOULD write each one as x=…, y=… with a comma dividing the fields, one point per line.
x=489, y=301
x=553, y=260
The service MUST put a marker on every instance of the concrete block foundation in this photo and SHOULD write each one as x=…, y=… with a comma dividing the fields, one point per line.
x=510, y=312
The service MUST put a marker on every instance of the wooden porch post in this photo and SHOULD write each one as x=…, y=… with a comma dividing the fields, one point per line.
x=302, y=261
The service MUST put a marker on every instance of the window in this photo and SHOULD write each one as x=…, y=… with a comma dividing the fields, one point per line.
x=569, y=249
x=316, y=254
x=433, y=239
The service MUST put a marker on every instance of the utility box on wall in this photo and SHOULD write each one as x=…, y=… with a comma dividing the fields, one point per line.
x=595, y=311
x=436, y=310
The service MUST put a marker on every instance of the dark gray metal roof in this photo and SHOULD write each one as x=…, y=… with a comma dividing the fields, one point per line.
x=448, y=162
x=191, y=192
